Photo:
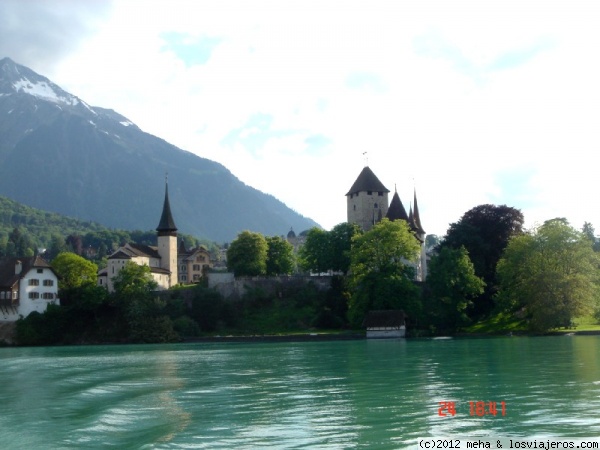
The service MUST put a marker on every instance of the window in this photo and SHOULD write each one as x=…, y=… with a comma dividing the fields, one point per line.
x=375, y=206
x=34, y=282
x=183, y=277
x=183, y=268
x=196, y=267
x=2, y=295
x=380, y=194
x=40, y=271
x=48, y=295
x=369, y=192
x=34, y=295
x=48, y=282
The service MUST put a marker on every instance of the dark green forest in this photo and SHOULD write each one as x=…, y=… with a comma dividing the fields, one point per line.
x=26, y=231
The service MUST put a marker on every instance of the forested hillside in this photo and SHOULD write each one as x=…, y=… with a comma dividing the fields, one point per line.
x=26, y=231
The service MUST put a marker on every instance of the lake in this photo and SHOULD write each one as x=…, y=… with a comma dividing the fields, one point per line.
x=314, y=395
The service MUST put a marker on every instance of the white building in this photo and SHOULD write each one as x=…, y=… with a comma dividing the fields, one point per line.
x=26, y=285
x=161, y=259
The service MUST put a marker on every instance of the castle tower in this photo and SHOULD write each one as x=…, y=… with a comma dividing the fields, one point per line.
x=367, y=200
x=167, y=239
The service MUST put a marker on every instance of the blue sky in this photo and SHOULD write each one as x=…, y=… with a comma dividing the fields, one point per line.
x=470, y=102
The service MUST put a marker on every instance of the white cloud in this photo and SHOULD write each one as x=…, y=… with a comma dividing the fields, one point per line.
x=469, y=99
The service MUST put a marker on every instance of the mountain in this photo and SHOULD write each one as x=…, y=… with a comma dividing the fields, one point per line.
x=59, y=154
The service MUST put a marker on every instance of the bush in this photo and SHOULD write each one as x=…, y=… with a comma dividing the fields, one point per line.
x=185, y=326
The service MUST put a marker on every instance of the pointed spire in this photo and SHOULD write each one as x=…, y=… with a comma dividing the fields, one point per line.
x=166, y=225
x=416, y=216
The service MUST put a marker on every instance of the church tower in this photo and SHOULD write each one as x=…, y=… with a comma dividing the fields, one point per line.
x=367, y=200
x=167, y=239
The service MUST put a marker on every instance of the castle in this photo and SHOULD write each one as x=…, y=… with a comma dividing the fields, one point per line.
x=367, y=204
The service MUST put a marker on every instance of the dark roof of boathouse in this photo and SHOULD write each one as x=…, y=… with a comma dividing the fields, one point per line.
x=388, y=318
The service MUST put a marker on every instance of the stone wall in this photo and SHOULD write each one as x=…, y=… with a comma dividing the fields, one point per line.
x=235, y=288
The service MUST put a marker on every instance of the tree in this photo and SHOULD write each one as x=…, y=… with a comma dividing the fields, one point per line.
x=75, y=242
x=340, y=242
x=134, y=280
x=589, y=232
x=280, y=256
x=74, y=271
x=19, y=244
x=57, y=245
x=381, y=270
x=315, y=255
x=552, y=272
x=387, y=248
x=247, y=254
x=432, y=241
x=328, y=250
x=142, y=308
x=484, y=231
x=453, y=283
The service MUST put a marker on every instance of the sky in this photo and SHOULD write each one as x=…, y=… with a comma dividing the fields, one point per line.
x=468, y=102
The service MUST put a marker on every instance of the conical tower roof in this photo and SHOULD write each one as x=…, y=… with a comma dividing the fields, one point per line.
x=416, y=217
x=367, y=181
x=396, y=210
x=166, y=224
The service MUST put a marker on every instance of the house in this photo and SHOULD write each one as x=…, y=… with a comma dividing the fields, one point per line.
x=192, y=263
x=383, y=324
x=26, y=285
x=162, y=259
x=143, y=255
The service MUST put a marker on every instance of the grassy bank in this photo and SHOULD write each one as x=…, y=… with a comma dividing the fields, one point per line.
x=505, y=324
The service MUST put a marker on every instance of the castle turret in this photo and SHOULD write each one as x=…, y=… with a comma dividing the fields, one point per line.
x=167, y=239
x=414, y=219
x=396, y=210
x=367, y=200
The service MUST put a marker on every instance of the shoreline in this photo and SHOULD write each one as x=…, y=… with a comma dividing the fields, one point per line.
x=319, y=337
x=306, y=337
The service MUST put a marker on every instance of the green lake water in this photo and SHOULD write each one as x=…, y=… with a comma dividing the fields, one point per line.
x=313, y=395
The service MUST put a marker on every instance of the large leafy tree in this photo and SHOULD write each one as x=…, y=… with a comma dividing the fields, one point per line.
x=74, y=271
x=280, y=256
x=453, y=283
x=484, y=231
x=247, y=254
x=552, y=272
x=381, y=270
x=340, y=245
x=143, y=310
x=315, y=254
x=328, y=250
